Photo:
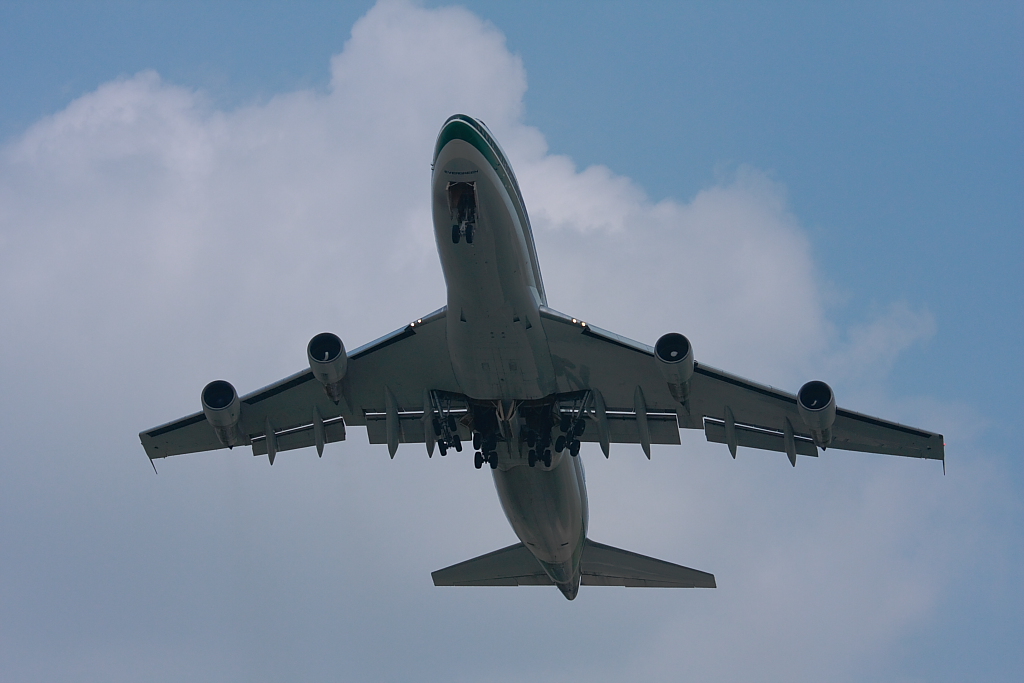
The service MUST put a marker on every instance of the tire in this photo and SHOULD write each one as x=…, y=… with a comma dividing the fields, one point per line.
x=579, y=427
x=469, y=233
x=478, y=460
x=560, y=444
x=437, y=427
x=533, y=458
x=574, y=448
x=564, y=423
x=547, y=458
x=443, y=448
x=457, y=442
x=456, y=234
x=452, y=425
x=494, y=463
x=476, y=440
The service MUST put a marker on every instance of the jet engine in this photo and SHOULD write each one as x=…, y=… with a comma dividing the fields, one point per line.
x=329, y=362
x=817, y=407
x=674, y=357
x=223, y=411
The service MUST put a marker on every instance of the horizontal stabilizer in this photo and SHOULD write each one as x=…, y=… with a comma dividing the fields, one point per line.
x=602, y=565
x=511, y=566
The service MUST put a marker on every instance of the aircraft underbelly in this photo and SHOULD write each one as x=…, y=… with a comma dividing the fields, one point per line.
x=548, y=511
x=495, y=338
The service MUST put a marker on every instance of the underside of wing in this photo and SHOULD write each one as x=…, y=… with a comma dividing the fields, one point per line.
x=730, y=409
x=394, y=371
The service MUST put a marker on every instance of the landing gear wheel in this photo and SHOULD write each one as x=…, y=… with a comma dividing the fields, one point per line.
x=564, y=423
x=579, y=427
x=533, y=458
x=574, y=448
x=547, y=458
x=494, y=461
x=452, y=426
x=443, y=447
x=457, y=442
x=437, y=427
x=469, y=233
x=476, y=440
x=456, y=234
x=478, y=460
x=560, y=444
x=531, y=439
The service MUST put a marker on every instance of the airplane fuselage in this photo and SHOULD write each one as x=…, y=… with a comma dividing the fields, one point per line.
x=496, y=340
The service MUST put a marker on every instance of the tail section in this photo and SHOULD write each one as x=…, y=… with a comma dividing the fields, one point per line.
x=601, y=565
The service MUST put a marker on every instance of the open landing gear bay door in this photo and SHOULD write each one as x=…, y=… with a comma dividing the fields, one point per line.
x=731, y=410
x=601, y=565
x=391, y=374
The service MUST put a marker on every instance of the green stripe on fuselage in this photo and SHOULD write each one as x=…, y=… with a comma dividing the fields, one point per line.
x=468, y=129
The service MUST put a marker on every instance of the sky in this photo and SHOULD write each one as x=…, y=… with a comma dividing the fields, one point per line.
x=191, y=191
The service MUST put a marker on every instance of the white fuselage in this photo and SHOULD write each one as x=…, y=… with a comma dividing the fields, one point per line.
x=499, y=351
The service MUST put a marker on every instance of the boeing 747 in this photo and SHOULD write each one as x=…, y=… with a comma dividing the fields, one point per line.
x=497, y=373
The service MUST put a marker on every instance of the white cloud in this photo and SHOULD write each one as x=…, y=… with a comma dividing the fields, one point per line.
x=151, y=243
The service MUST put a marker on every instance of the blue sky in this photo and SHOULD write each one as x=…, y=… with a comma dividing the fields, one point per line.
x=875, y=148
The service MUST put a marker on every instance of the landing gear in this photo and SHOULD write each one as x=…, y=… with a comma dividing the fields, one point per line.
x=572, y=426
x=446, y=427
x=456, y=233
x=478, y=460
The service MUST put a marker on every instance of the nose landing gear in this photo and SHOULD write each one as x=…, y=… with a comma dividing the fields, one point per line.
x=462, y=205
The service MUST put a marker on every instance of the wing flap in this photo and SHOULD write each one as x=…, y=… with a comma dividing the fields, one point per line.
x=755, y=437
x=622, y=428
x=301, y=437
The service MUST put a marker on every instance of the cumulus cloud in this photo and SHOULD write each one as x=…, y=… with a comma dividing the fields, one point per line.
x=151, y=242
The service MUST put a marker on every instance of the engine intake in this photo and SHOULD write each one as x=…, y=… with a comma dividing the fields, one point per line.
x=816, y=404
x=329, y=362
x=223, y=411
x=674, y=356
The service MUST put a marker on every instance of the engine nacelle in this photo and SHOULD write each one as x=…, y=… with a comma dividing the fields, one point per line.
x=329, y=362
x=816, y=404
x=674, y=356
x=223, y=411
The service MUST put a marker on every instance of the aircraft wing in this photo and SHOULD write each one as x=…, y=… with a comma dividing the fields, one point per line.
x=405, y=363
x=727, y=407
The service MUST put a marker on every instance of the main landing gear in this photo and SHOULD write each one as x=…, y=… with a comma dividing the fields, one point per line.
x=486, y=446
x=539, y=442
x=446, y=427
x=571, y=431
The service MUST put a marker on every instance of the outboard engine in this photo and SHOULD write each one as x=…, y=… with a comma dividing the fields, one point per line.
x=674, y=356
x=223, y=411
x=329, y=362
x=816, y=404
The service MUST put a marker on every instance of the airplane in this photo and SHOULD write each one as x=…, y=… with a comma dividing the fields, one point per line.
x=525, y=385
